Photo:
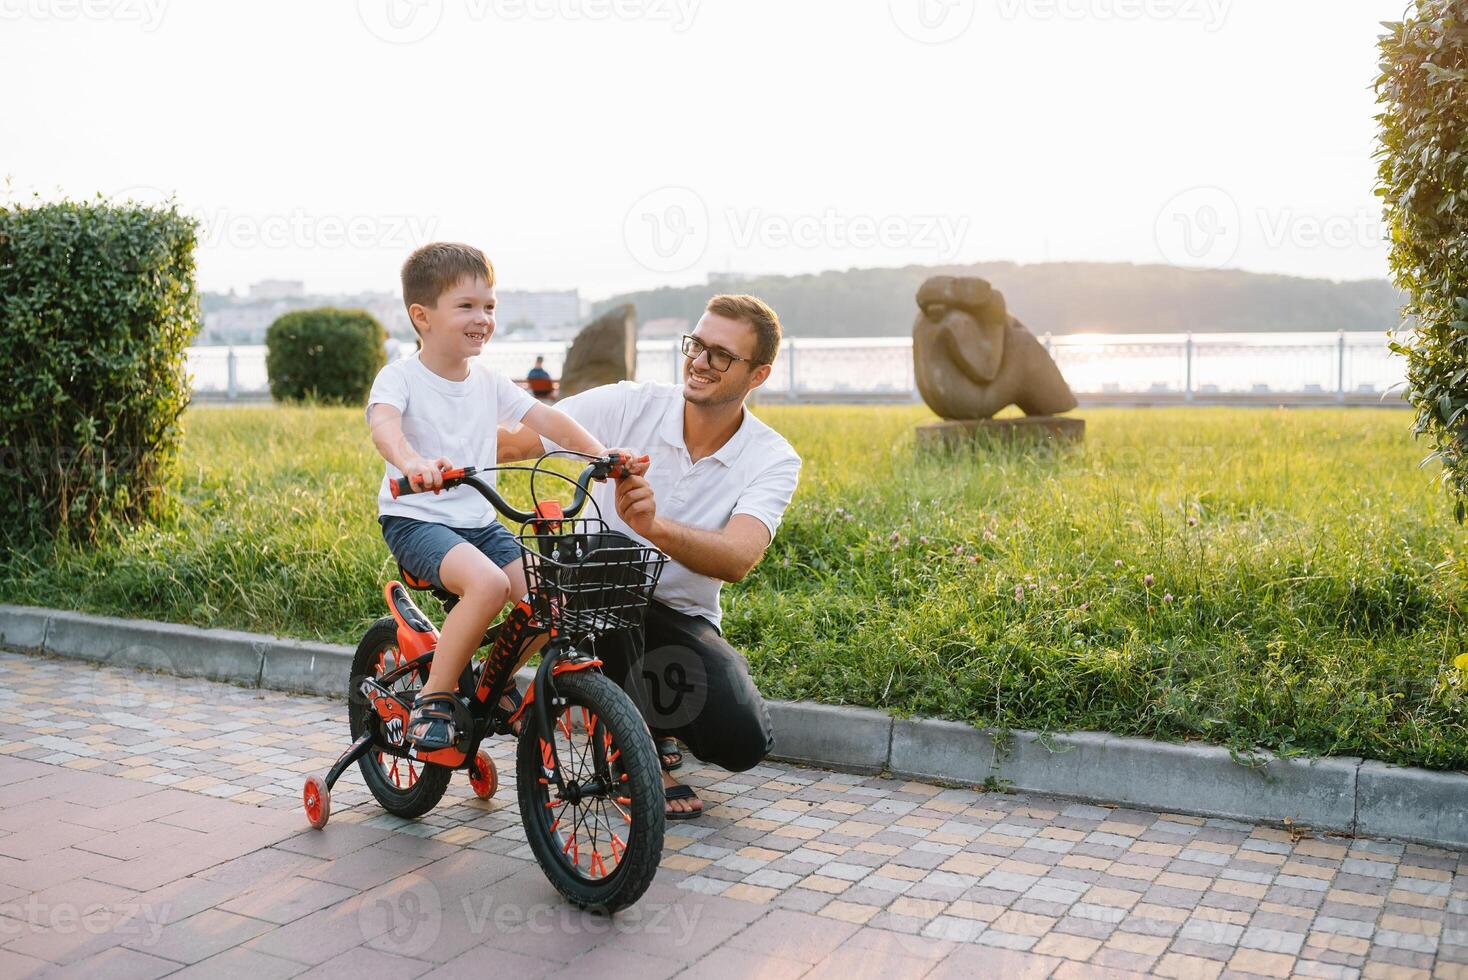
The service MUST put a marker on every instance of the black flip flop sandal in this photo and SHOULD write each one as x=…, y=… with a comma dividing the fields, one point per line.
x=681, y=792
x=669, y=747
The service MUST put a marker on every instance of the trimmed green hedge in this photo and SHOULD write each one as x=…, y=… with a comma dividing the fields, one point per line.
x=97, y=309
x=326, y=355
x=1423, y=90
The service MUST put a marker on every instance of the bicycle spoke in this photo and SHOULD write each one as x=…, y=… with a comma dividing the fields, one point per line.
x=573, y=844
x=390, y=658
x=581, y=760
x=578, y=773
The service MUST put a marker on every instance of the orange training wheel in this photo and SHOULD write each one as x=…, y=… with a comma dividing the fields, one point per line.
x=318, y=801
x=482, y=776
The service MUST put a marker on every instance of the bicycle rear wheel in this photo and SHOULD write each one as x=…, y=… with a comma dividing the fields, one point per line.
x=404, y=787
x=599, y=846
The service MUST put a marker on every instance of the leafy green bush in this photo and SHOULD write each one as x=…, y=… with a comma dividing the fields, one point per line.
x=325, y=355
x=97, y=309
x=1423, y=90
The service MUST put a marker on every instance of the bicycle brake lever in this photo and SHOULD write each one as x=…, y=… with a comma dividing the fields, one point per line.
x=616, y=469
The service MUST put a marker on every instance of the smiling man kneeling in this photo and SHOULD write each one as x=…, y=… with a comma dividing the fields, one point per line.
x=717, y=485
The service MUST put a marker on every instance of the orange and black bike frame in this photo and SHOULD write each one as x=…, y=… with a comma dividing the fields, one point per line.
x=417, y=640
x=492, y=676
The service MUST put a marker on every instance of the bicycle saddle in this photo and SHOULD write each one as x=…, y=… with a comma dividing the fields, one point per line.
x=422, y=584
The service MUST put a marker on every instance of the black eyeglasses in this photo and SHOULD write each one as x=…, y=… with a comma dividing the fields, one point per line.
x=719, y=359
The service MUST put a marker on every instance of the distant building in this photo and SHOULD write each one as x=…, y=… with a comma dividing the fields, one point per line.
x=268, y=289
x=386, y=307
x=537, y=311
x=230, y=319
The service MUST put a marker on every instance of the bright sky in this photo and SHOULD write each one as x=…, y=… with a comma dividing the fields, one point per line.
x=620, y=144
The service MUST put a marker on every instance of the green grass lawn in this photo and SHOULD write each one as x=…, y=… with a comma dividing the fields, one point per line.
x=1256, y=578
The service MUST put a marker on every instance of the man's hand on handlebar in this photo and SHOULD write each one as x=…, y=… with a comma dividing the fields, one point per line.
x=636, y=505
x=425, y=474
x=632, y=464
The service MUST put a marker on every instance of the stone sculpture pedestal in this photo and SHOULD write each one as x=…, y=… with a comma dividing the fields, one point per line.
x=1031, y=429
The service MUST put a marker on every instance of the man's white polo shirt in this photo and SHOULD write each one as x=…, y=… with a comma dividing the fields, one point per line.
x=753, y=473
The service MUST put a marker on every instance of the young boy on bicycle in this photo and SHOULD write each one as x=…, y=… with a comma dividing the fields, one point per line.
x=434, y=410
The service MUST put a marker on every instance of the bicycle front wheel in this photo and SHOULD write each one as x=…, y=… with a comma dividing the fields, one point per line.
x=600, y=843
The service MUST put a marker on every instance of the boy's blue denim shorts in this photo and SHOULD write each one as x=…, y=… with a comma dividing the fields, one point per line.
x=420, y=546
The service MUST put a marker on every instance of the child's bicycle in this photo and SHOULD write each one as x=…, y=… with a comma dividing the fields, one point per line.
x=590, y=786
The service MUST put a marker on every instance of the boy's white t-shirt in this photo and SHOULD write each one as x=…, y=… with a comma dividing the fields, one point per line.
x=454, y=419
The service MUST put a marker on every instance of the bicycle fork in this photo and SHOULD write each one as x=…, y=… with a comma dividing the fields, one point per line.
x=543, y=702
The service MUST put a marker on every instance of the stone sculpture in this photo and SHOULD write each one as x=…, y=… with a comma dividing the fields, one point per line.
x=972, y=359
x=603, y=353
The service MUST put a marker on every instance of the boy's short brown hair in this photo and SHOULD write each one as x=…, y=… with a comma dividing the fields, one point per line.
x=757, y=313
x=434, y=269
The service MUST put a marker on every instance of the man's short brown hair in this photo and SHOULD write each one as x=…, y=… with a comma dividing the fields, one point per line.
x=434, y=269
x=757, y=313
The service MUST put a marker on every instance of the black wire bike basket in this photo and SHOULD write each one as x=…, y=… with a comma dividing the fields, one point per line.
x=586, y=579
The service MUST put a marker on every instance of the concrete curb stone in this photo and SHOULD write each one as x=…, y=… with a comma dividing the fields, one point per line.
x=1188, y=778
x=303, y=667
x=1417, y=804
x=23, y=627
x=216, y=655
x=841, y=736
x=1345, y=794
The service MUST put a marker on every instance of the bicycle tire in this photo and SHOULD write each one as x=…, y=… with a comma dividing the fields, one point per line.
x=425, y=782
x=635, y=767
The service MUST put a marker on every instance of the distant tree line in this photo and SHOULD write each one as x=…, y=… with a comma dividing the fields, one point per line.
x=1058, y=297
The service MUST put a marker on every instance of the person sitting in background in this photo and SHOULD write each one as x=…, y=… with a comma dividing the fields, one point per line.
x=541, y=384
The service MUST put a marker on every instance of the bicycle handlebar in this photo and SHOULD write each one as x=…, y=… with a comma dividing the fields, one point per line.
x=600, y=468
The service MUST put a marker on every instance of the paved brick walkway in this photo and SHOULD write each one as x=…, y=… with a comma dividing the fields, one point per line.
x=151, y=826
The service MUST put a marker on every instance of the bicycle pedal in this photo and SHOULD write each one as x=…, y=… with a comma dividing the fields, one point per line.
x=453, y=757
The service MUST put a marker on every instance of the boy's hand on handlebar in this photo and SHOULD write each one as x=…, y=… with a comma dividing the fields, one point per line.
x=426, y=474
